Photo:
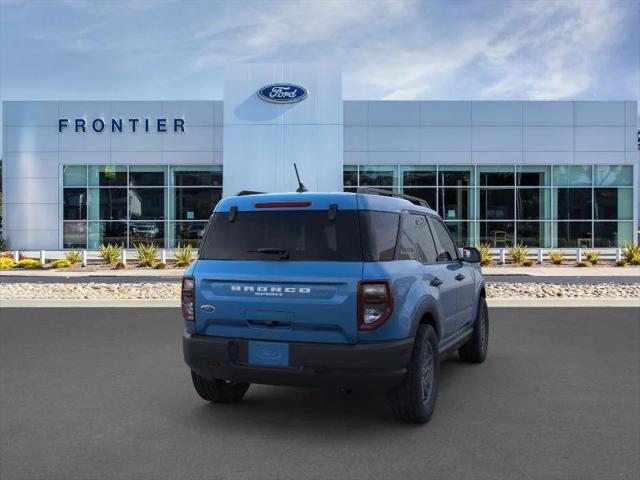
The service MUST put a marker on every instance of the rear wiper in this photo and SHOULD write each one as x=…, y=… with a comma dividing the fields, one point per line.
x=284, y=254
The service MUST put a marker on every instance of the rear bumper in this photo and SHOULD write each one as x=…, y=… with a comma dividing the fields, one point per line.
x=378, y=366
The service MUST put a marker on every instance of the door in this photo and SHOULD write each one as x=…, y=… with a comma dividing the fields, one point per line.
x=416, y=243
x=462, y=274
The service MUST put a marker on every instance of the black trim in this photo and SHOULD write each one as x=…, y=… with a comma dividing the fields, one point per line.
x=455, y=340
x=387, y=193
x=375, y=365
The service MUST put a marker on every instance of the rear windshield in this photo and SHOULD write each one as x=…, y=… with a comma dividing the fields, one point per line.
x=301, y=235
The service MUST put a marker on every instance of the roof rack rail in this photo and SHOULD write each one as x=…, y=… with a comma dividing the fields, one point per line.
x=242, y=193
x=389, y=193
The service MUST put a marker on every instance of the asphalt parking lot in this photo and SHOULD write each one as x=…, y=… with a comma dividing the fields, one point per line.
x=104, y=394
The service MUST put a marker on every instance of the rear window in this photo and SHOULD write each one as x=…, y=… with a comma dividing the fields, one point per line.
x=296, y=235
x=303, y=235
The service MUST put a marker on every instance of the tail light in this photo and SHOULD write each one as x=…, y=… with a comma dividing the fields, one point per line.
x=187, y=299
x=375, y=303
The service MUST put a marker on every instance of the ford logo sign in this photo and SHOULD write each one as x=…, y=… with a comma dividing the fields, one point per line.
x=283, y=93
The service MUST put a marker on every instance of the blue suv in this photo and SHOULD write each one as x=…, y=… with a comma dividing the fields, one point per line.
x=343, y=290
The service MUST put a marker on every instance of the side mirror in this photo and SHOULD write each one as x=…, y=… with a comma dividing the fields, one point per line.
x=471, y=255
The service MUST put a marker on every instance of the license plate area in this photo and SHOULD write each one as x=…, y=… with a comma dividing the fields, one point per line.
x=269, y=354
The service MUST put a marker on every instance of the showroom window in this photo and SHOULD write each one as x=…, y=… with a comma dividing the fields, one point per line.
x=551, y=206
x=132, y=204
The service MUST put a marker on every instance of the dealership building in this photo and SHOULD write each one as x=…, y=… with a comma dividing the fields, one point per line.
x=545, y=174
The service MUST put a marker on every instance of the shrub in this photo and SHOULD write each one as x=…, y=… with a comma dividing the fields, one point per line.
x=528, y=263
x=556, y=256
x=518, y=253
x=2, y=244
x=9, y=254
x=29, y=263
x=621, y=263
x=485, y=255
x=592, y=256
x=184, y=255
x=120, y=266
x=582, y=264
x=147, y=254
x=6, y=263
x=110, y=252
x=161, y=266
x=631, y=253
x=62, y=263
x=73, y=257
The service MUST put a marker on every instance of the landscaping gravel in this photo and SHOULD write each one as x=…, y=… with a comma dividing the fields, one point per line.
x=171, y=290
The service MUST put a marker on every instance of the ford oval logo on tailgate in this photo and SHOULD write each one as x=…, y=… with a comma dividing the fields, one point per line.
x=283, y=93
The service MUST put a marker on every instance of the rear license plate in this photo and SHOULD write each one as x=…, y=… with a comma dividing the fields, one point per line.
x=269, y=354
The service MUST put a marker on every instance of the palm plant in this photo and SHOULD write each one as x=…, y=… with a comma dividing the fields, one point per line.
x=631, y=253
x=556, y=256
x=485, y=253
x=518, y=253
x=147, y=254
x=184, y=255
x=592, y=256
x=110, y=252
x=73, y=257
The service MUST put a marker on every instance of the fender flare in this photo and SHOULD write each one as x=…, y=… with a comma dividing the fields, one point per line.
x=428, y=306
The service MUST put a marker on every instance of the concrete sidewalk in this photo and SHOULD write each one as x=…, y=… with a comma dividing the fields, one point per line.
x=564, y=271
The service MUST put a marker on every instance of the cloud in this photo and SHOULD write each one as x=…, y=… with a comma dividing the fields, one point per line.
x=389, y=49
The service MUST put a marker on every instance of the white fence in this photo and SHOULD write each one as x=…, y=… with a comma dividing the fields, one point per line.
x=498, y=255
x=88, y=255
x=540, y=255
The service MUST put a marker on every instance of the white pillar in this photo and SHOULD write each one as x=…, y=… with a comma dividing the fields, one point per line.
x=578, y=255
x=618, y=254
x=123, y=256
x=16, y=256
x=42, y=259
x=84, y=258
x=163, y=256
x=502, y=256
x=540, y=255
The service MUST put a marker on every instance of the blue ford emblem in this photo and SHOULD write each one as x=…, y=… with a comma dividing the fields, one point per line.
x=283, y=93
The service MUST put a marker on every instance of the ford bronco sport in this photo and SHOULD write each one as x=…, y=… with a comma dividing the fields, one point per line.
x=345, y=290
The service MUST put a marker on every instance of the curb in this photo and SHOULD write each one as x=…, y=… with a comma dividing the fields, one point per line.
x=84, y=303
x=563, y=302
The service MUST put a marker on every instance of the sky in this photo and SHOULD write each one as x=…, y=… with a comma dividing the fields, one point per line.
x=394, y=49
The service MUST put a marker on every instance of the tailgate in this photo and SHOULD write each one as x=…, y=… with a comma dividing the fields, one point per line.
x=281, y=301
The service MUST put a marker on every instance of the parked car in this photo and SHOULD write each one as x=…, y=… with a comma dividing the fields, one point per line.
x=345, y=290
x=195, y=231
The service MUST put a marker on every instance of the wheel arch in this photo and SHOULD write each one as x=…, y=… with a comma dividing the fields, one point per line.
x=428, y=314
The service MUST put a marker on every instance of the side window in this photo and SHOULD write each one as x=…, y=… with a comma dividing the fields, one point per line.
x=447, y=251
x=415, y=242
x=379, y=234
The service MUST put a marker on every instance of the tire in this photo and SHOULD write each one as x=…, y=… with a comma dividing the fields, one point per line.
x=219, y=391
x=474, y=350
x=415, y=399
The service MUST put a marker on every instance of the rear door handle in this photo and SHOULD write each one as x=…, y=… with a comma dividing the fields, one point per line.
x=459, y=277
x=436, y=282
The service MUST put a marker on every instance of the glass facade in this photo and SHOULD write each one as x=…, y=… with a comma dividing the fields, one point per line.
x=131, y=204
x=550, y=206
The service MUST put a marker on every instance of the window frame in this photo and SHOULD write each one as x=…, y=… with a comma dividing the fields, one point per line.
x=436, y=239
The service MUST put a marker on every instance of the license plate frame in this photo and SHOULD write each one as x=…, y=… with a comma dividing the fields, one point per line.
x=268, y=354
